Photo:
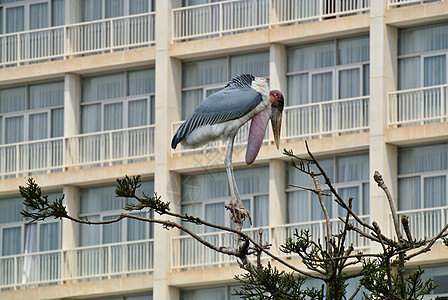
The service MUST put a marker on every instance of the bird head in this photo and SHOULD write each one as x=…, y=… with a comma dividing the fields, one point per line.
x=277, y=103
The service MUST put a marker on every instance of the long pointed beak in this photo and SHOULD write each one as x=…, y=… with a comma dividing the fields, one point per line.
x=276, y=122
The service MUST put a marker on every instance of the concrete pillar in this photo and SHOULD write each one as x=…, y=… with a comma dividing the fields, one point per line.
x=70, y=229
x=72, y=112
x=72, y=104
x=383, y=79
x=168, y=108
x=277, y=195
x=277, y=67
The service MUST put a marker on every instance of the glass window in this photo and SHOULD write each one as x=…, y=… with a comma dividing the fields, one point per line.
x=18, y=235
x=24, y=16
x=116, y=101
x=349, y=175
x=101, y=204
x=422, y=56
x=422, y=177
x=337, y=69
x=32, y=112
x=100, y=9
x=204, y=195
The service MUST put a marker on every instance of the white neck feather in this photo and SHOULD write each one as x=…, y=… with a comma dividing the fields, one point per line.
x=260, y=84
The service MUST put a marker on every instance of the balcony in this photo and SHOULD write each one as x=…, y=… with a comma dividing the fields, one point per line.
x=86, y=150
x=424, y=222
x=300, y=122
x=85, y=263
x=417, y=106
x=59, y=42
x=327, y=118
x=189, y=254
x=400, y=3
x=234, y=16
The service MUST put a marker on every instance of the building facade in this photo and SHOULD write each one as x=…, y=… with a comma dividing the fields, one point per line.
x=92, y=90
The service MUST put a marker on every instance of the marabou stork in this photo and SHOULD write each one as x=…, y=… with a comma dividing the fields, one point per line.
x=220, y=115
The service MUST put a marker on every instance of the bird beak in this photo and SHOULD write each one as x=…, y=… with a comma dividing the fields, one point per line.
x=276, y=122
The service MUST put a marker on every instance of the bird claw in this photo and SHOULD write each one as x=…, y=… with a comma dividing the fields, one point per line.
x=238, y=213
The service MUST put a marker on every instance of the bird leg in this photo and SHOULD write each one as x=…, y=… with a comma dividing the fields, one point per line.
x=237, y=211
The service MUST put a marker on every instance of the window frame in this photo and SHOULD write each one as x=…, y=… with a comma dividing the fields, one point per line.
x=334, y=69
x=359, y=184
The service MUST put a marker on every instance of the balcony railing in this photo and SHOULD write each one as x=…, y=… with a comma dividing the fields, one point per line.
x=424, y=222
x=188, y=253
x=226, y=17
x=85, y=263
x=399, y=3
x=327, y=118
x=51, y=155
x=417, y=106
x=77, y=39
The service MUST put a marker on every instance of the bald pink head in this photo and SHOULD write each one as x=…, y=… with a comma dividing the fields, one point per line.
x=259, y=123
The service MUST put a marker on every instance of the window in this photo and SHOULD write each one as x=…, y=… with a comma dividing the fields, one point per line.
x=18, y=235
x=422, y=175
x=331, y=70
x=215, y=293
x=28, y=15
x=120, y=100
x=101, y=9
x=204, y=195
x=202, y=78
x=100, y=204
x=350, y=176
x=439, y=275
x=133, y=297
x=31, y=112
x=422, y=55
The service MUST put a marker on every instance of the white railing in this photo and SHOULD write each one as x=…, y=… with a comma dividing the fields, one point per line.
x=397, y=3
x=240, y=140
x=50, y=155
x=109, y=147
x=94, y=262
x=76, y=39
x=424, y=222
x=111, y=34
x=35, y=156
x=225, y=17
x=188, y=253
x=317, y=230
x=417, y=106
x=326, y=118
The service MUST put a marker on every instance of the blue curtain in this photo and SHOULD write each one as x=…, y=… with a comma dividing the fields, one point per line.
x=214, y=213
x=49, y=237
x=322, y=87
x=113, y=116
x=39, y=16
x=58, y=12
x=349, y=83
x=11, y=241
x=15, y=19
x=114, y=8
x=435, y=191
x=434, y=70
x=91, y=10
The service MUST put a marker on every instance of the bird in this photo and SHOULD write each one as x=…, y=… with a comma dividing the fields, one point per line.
x=219, y=116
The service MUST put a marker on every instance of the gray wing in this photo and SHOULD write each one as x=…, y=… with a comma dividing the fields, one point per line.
x=228, y=104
